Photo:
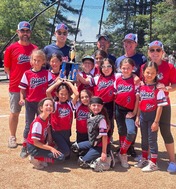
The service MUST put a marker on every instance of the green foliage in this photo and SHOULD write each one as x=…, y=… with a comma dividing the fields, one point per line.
x=14, y=11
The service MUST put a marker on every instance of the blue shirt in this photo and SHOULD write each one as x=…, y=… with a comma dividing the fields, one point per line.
x=138, y=58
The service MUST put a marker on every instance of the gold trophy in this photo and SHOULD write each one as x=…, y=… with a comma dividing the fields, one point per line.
x=72, y=54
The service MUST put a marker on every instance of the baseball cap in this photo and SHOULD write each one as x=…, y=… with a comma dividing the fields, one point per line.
x=156, y=43
x=61, y=26
x=24, y=25
x=104, y=36
x=88, y=57
x=131, y=36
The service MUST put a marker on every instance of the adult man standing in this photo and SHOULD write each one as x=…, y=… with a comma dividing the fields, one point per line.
x=16, y=62
x=130, y=44
x=61, y=33
x=103, y=43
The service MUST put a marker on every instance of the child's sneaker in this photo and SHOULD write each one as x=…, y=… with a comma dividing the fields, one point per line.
x=23, y=153
x=45, y=164
x=124, y=160
x=112, y=159
x=12, y=142
x=142, y=163
x=172, y=167
x=75, y=147
x=150, y=167
x=36, y=163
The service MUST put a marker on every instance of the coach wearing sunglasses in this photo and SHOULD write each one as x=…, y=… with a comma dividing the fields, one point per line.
x=60, y=47
x=167, y=80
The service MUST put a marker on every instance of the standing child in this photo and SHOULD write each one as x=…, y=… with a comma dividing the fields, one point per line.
x=99, y=56
x=150, y=109
x=33, y=87
x=55, y=61
x=61, y=119
x=97, y=124
x=126, y=104
x=88, y=71
x=82, y=112
x=40, y=151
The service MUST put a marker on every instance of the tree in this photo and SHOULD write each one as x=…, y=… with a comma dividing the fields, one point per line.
x=18, y=10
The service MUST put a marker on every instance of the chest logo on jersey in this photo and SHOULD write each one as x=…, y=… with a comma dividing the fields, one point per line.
x=23, y=59
x=82, y=115
x=104, y=84
x=37, y=81
x=123, y=88
x=160, y=76
x=149, y=106
x=63, y=112
x=65, y=59
x=147, y=95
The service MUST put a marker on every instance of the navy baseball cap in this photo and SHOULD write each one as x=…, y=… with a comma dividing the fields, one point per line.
x=24, y=25
x=104, y=36
x=61, y=26
x=131, y=36
x=156, y=44
x=88, y=57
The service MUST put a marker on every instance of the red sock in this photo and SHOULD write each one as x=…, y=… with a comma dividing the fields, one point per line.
x=45, y=159
x=154, y=158
x=121, y=140
x=125, y=146
x=25, y=143
x=145, y=154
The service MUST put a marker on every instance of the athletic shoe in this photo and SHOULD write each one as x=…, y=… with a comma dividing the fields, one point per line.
x=124, y=160
x=112, y=159
x=36, y=163
x=12, y=142
x=142, y=163
x=131, y=151
x=45, y=164
x=138, y=158
x=150, y=167
x=24, y=152
x=82, y=163
x=75, y=147
x=172, y=167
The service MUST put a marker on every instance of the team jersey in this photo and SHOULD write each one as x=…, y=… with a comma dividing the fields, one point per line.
x=138, y=58
x=62, y=118
x=38, y=130
x=82, y=86
x=17, y=59
x=151, y=98
x=166, y=75
x=82, y=114
x=104, y=87
x=125, y=92
x=36, y=84
x=102, y=130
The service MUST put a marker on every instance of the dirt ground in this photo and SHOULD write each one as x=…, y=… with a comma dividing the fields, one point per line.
x=17, y=173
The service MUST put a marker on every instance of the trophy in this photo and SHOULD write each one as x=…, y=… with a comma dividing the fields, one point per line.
x=72, y=54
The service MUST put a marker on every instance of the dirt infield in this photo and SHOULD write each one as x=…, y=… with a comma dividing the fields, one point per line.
x=17, y=173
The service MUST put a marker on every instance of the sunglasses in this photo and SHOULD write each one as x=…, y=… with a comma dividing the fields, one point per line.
x=155, y=50
x=25, y=31
x=108, y=66
x=61, y=33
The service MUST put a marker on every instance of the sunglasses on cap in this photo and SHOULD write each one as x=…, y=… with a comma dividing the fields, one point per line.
x=61, y=33
x=155, y=50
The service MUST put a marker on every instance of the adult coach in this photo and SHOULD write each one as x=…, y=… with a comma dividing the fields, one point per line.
x=130, y=45
x=167, y=80
x=16, y=62
x=103, y=43
x=61, y=33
